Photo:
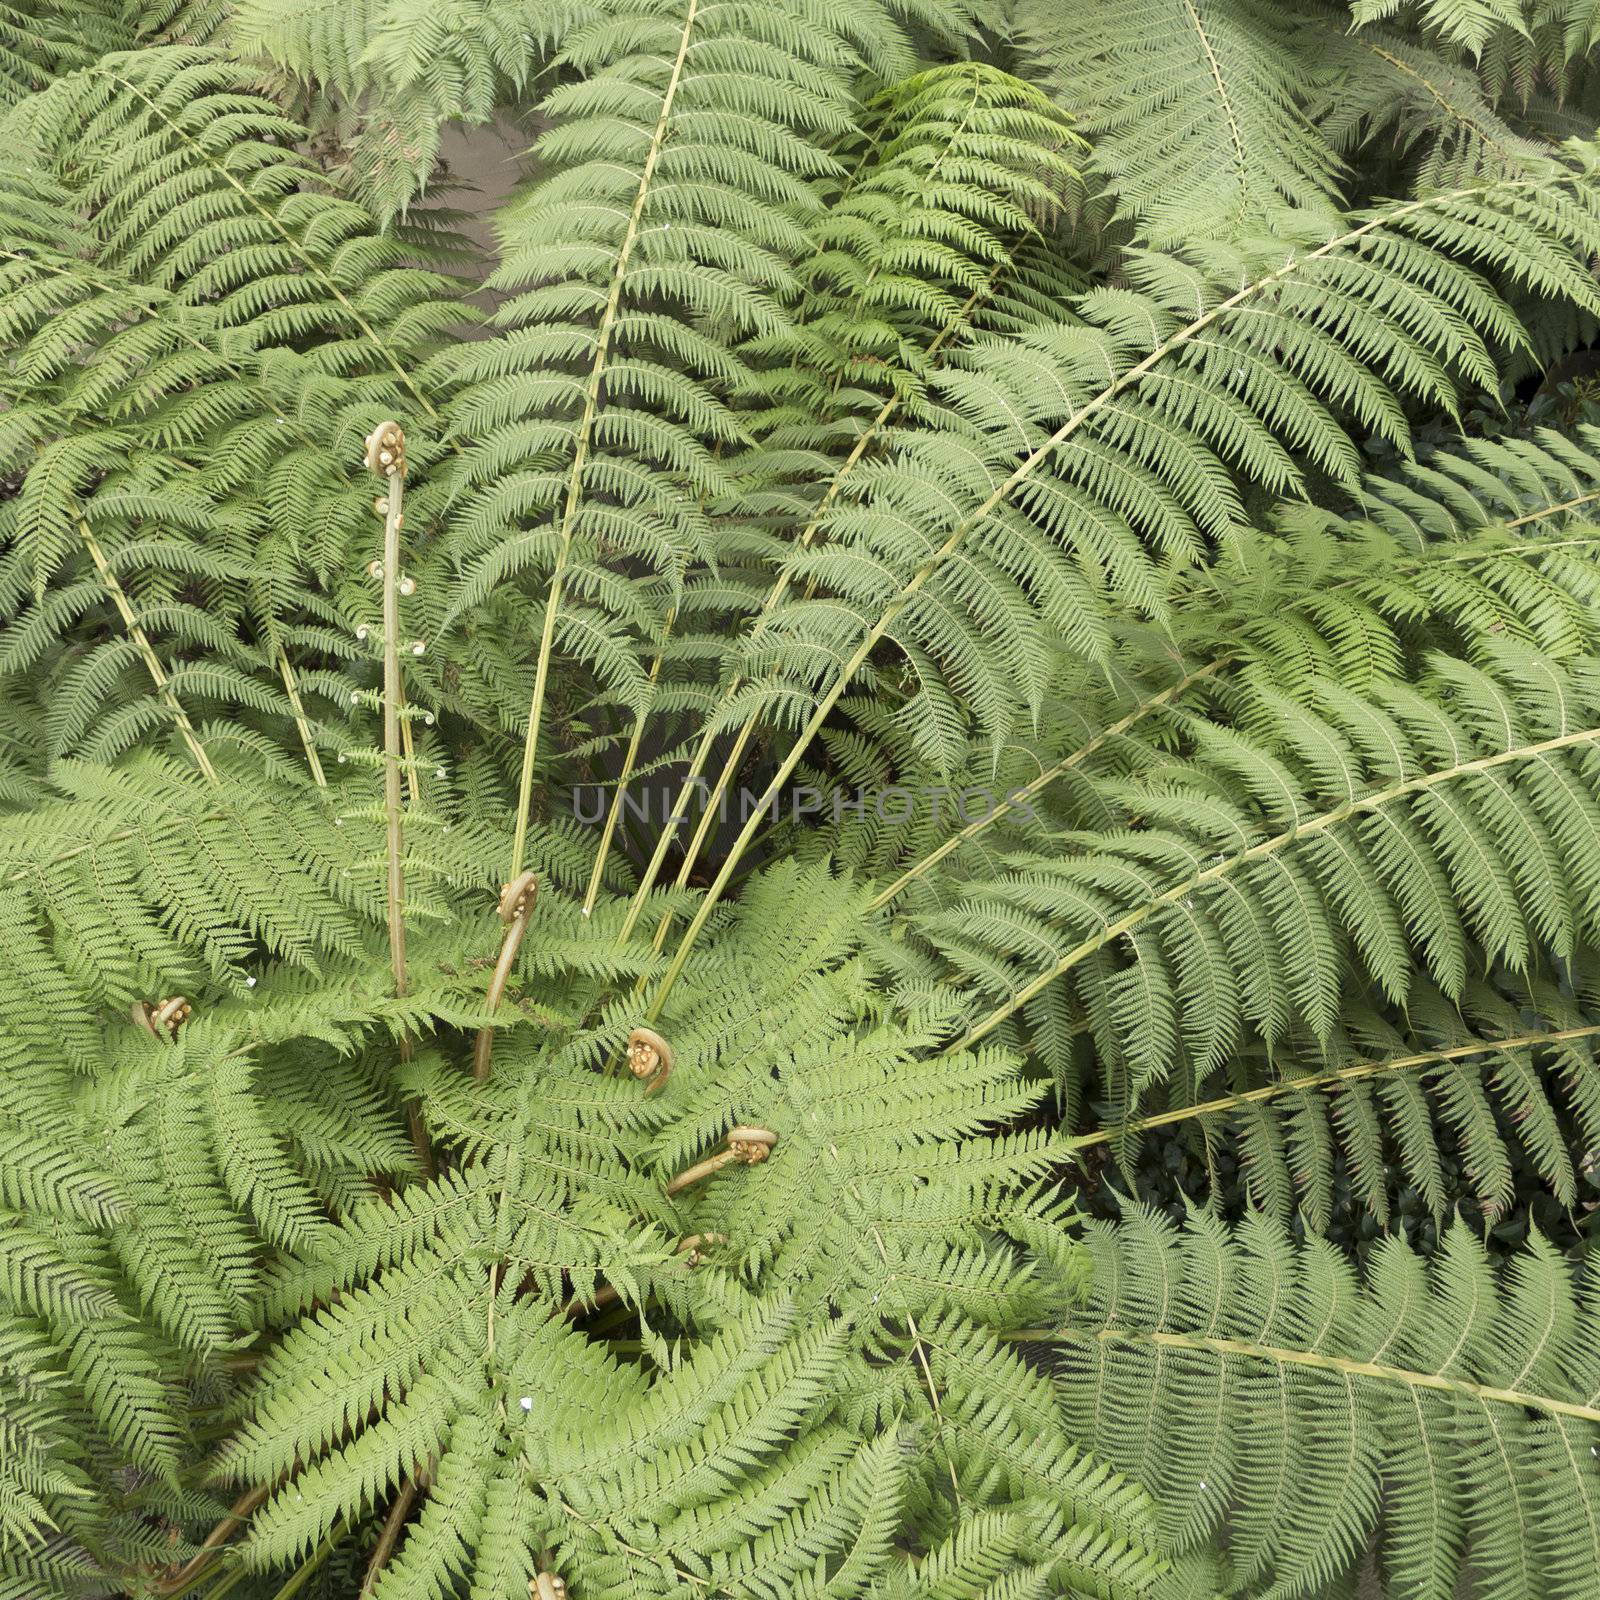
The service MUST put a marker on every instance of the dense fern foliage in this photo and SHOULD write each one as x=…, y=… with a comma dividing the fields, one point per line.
x=861, y=860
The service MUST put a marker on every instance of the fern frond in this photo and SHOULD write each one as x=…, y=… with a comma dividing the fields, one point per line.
x=190, y=365
x=1117, y=416
x=1398, y=89
x=1454, y=849
x=1391, y=1107
x=1261, y=1383
x=752, y=1459
x=42, y=42
x=1196, y=113
x=1466, y=24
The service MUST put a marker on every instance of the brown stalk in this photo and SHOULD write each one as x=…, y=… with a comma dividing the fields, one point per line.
x=747, y=1147
x=386, y=456
x=390, y=1536
x=235, y=1517
x=516, y=906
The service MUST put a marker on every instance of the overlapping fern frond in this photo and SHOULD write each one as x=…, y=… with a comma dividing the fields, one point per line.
x=245, y=1187
x=1196, y=112
x=193, y=473
x=1438, y=117
x=1496, y=1078
x=595, y=428
x=1447, y=820
x=829, y=428
x=456, y=1315
x=1073, y=472
x=39, y=42
x=1260, y=1384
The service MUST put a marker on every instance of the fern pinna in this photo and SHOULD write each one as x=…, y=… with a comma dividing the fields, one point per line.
x=1063, y=1059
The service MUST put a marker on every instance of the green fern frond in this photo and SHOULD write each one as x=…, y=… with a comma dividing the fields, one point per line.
x=1459, y=846
x=41, y=42
x=1426, y=104
x=1086, y=462
x=1466, y=24
x=1197, y=114
x=1383, y=1102
x=1261, y=1383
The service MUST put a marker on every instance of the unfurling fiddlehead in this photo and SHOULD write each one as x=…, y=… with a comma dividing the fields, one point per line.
x=516, y=906
x=747, y=1147
x=649, y=1058
x=386, y=456
x=161, y=1019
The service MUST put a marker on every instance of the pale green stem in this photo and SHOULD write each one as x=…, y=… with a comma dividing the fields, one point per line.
x=807, y=537
x=152, y=662
x=584, y=439
x=292, y=689
x=1267, y=847
x=1473, y=128
x=892, y=612
x=1243, y=165
x=285, y=670
x=228, y=1583
x=393, y=761
x=1062, y=767
x=1556, y=510
x=665, y=836
x=1021, y=796
x=707, y=818
x=393, y=756
x=628, y=762
x=824, y=709
x=917, y=1346
x=1336, y=1078
x=1279, y=1355
x=774, y=597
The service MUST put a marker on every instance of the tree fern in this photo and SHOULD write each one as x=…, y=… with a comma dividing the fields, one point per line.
x=413, y=1182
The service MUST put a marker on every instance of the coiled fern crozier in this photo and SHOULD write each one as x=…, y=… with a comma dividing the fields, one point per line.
x=868, y=868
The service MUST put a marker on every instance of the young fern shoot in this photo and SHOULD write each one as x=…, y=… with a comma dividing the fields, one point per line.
x=386, y=456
